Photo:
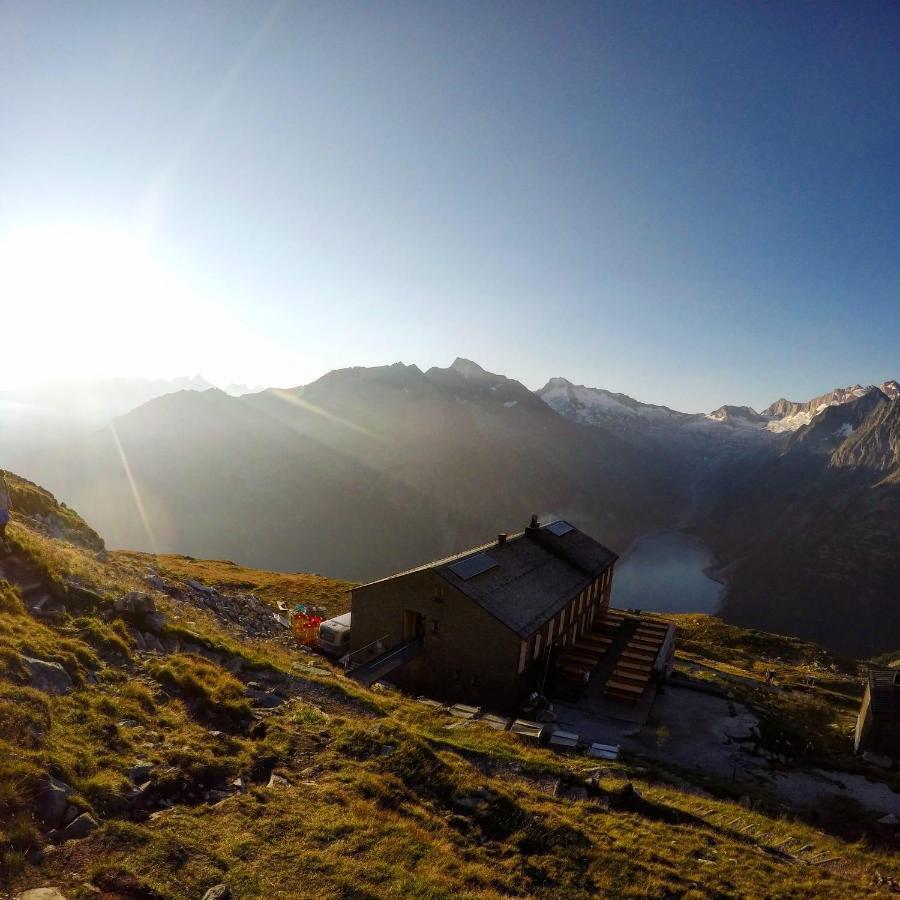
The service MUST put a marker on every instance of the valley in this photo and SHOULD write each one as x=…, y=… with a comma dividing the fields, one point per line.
x=164, y=737
x=666, y=572
x=367, y=471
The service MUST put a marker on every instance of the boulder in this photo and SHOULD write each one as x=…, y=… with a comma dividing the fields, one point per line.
x=52, y=801
x=155, y=622
x=49, y=677
x=277, y=781
x=140, y=771
x=263, y=699
x=138, y=638
x=218, y=892
x=79, y=828
x=135, y=603
x=152, y=642
x=44, y=893
x=889, y=819
x=72, y=813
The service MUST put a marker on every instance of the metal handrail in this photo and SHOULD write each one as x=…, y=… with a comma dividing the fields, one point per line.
x=366, y=646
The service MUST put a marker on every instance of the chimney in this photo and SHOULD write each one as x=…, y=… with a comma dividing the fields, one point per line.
x=501, y=538
x=534, y=522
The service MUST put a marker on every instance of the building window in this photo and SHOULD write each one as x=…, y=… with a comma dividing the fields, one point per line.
x=435, y=626
x=523, y=656
x=438, y=594
x=537, y=645
x=550, y=631
x=562, y=619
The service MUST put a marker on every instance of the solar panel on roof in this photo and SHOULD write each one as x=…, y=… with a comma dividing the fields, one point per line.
x=559, y=528
x=472, y=566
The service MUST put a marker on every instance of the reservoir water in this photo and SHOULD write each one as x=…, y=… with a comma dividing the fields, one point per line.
x=663, y=572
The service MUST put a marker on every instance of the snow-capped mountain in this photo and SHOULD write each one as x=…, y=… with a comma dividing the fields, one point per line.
x=595, y=406
x=625, y=415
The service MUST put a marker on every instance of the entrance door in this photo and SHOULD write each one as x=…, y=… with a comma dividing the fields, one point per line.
x=413, y=625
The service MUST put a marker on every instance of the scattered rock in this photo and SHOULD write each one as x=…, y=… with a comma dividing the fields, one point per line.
x=202, y=588
x=263, y=699
x=218, y=892
x=238, y=783
x=277, y=781
x=80, y=828
x=44, y=893
x=140, y=771
x=155, y=581
x=889, y=819
x=49, y=677
x=52, y=802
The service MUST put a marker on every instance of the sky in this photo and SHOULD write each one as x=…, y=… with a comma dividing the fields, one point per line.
x=693, y=203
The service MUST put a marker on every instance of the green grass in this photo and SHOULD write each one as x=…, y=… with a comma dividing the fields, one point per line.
x=383, y=799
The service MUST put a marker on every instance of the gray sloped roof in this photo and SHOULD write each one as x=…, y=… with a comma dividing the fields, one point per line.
x=884, y=690
x=536, y=573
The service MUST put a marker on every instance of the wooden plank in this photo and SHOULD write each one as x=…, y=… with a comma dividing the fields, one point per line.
x=624, y=686
x=580, y=658
x=641, y=657
x=591, y=639
x=634, y=666
x=634, y=681
x=643, y=677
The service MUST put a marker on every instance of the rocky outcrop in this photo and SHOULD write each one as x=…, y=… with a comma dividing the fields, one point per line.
x=42, y=893
x=52, y=801
x=218, y=892
x=49, y=677
x=78, y=828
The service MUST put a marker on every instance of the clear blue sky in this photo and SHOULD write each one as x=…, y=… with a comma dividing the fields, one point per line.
x=693, y=203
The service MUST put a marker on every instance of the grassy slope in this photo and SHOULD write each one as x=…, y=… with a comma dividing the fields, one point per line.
x=383, y=798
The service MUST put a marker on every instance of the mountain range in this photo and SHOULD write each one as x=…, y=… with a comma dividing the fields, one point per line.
x=370, y=470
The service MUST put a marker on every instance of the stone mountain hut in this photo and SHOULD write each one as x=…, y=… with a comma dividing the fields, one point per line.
x=475, y=627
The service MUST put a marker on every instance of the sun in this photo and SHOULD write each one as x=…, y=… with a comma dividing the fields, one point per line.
x=84, y=301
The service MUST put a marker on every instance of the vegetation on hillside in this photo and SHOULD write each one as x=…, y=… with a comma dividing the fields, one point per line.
x=245, y=760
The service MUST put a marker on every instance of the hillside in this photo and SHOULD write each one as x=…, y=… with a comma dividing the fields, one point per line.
x=808, y=539
x=162, y=734
x=363, y=472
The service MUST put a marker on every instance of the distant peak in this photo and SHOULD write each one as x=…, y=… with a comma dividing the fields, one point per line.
x=557, y=382
x=467, y=368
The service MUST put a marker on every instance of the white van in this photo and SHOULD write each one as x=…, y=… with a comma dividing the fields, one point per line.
x=334, y=635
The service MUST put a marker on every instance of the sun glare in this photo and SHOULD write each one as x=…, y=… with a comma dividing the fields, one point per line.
x=79, y=301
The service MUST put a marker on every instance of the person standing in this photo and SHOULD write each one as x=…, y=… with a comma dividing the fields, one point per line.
x=4, y=508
